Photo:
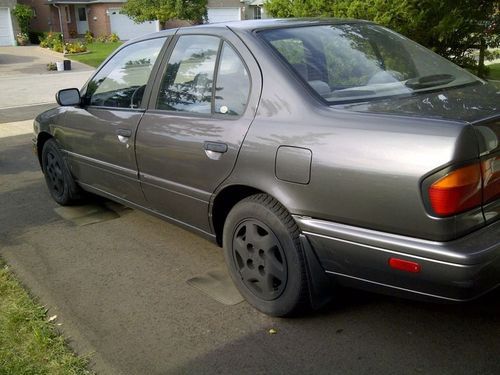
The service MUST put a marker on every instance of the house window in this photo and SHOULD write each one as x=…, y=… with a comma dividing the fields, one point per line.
x=68, y=14
x=82, y=14
x=257, y=13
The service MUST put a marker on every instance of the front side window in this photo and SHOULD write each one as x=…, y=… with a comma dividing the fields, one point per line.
x=360, y=61
x=188, y=81
x=122, y=81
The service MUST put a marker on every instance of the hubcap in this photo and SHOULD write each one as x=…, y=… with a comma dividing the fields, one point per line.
x=259, y=259
x=54, y=174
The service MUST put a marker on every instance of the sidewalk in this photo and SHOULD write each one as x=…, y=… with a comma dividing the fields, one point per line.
x=25, y=80
x=12, y=129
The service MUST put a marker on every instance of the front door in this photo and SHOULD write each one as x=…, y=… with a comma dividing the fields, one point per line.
x=99, y=136
x=82, y=24
x=188, y=140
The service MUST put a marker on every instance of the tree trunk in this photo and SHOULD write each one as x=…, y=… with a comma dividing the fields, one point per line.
x=480, y=66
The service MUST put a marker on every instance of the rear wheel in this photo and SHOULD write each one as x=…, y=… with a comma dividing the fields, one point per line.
x=264, y=256
x=60, y=182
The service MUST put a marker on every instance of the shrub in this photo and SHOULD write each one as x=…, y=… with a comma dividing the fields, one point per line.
x=76, y=47
x=58, y=46
x=89, y=37
x=50, y=40
x=23, y=14
x=102, y=38
x=113, y=38
x=492, y=54
x=51, y=66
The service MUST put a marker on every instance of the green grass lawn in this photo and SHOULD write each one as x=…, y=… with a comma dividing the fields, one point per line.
x=29, y=344
x=98, y=53
x=494, y=71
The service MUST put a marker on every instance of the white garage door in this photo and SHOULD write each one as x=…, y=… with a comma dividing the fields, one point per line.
x=223, y=14
x=6, y=33
x=127, y=29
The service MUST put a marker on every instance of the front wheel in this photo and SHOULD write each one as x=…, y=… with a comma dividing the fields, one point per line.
x=264, y=256
x=62, y=187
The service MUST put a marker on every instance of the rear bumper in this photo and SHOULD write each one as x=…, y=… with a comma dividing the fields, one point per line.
x=457, y=270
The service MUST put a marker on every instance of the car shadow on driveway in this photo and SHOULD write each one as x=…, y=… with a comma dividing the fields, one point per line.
x=364, y=333
x=10, y=59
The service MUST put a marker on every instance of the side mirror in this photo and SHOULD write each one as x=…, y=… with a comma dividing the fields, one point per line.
x=68, y=97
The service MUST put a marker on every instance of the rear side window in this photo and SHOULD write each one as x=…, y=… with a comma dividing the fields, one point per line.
x=233, y=84
x=188, y=83
x=121, y=82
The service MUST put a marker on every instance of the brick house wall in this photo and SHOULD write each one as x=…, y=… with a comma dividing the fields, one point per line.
x=98, y=19
x=68, y=20
x=46, y=17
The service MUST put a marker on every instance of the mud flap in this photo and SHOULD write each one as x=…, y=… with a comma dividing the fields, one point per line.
x=320, y=285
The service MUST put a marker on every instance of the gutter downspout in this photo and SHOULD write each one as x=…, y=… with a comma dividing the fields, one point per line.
x=60, y=20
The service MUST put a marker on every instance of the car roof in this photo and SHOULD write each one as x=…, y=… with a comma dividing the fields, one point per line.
x=253, y=25
x=271, y=23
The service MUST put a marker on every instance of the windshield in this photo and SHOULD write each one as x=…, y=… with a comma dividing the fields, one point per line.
x=351, y=62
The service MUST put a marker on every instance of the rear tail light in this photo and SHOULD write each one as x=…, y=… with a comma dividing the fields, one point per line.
x=465, y=188
x=491, y=177
x=458, y=191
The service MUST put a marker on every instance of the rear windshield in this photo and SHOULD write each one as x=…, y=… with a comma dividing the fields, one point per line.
x=351, y=62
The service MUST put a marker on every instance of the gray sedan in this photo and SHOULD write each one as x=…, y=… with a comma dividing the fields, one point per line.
x=316, y=152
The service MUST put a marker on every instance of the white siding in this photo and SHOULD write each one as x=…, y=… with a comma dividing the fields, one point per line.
x=6, y=30
x=127, y=29
x=223, y=14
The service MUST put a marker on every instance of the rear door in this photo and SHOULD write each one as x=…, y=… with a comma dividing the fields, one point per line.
x=189, y=138
x=98, y=136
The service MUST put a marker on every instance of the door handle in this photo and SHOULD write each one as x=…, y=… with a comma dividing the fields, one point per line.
x=215, y=147
x=124, y=132
x=124, y=135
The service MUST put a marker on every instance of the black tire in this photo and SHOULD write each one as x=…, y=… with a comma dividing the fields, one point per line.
x=60, y=182
x=264, y=256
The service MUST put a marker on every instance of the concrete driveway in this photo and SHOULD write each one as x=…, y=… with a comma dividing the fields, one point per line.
x=117, y=280
x=27, y=87
x=119, y=290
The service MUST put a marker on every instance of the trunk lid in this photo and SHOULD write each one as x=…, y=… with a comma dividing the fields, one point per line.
x=477, y=105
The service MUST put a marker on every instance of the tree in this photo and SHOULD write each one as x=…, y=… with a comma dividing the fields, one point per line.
x=452, y=28
x=23, y=14
x=165, y=10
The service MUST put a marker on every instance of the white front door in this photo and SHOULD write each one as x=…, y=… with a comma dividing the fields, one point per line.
x=82, y=24
x=6, y=32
